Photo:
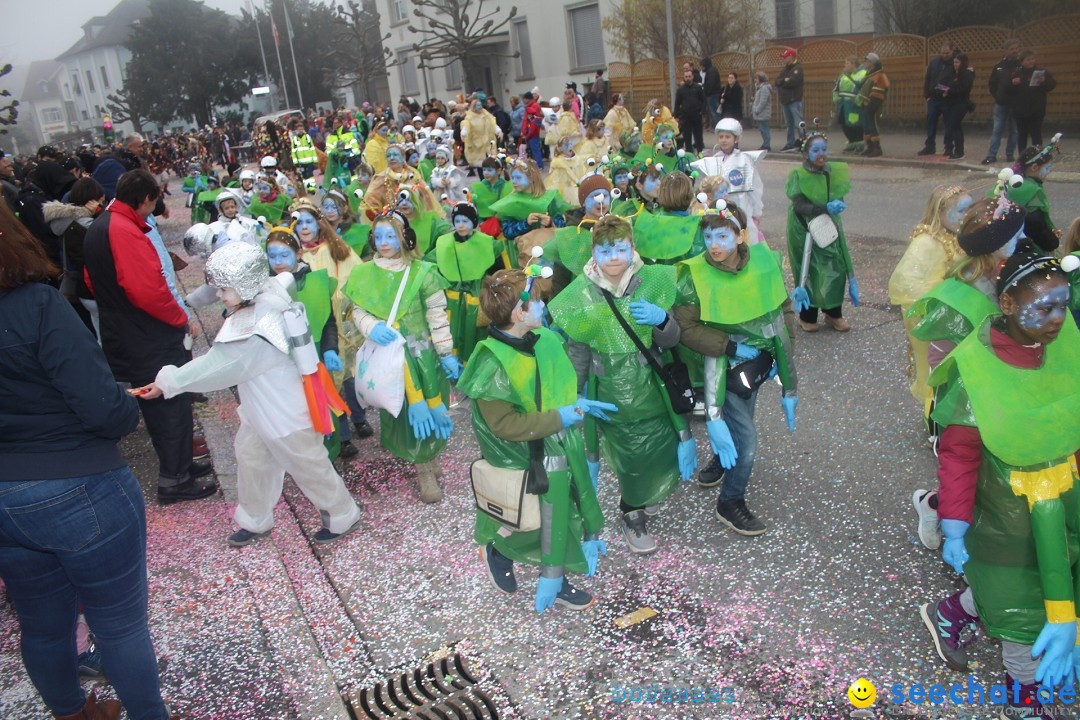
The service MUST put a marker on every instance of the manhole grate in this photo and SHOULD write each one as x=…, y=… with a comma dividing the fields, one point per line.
x=444, y=690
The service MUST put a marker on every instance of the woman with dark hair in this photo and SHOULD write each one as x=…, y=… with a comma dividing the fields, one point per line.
x=731, y=98
x=69, y=221
x=956, y=81
x=72, y=520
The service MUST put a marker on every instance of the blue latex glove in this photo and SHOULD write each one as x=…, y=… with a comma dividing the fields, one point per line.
x=788, y=402
x=646, y=313
x=444, y=424
x=800, y=299
x=593, y=549
x=383, y=334
x=1076, y=666
x=954, y=552
x=722, y=444
x=421, y=421
x=687, y=454
x=596, y=408
x=570, y=416
x=332, y=361
x=746, y=352
x=452, y=367
x=1056, y=643
x=836, y=207
x=546, y=590
x=853, y=290
x=594, y=473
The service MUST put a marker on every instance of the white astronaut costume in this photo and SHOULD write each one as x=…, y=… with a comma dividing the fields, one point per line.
x=739, y=169
x=449, y=179
x=276, y=434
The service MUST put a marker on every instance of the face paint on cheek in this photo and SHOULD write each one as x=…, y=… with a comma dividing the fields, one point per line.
x=598, y=201
x=956, y=214
x=619, y=251
x=651, y=185
x=281, y=256
x=1045, y=169
x=818, y=149
x=394, y=156
x=386, y=236
x=721, y=239
x=463, y=225
x=489, y=173
x=519, y=179
x=329, y=209
x=1049, y=307
x=1010, y=247
x=622, y=180
x=307, y=227
x=536, y=312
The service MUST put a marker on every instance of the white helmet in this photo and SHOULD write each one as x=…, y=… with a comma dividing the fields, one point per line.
x=730, y=125
x=408, y=128
x=269, y=162
x=440, y=123
x=227, y=194
x=247, y=175
x=555, y=102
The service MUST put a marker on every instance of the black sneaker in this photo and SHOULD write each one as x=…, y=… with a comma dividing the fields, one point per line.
x=89, y=663
x=348, y=450
x=499, y=568
x=712, y=474
x=957, y=156
x=738, y=517
x=193, y=489
x=573, y=598
x=363, y=430
x=926, y=151
x=989, y=160
x=200, y=468
x=243, y=537
x=324, y=536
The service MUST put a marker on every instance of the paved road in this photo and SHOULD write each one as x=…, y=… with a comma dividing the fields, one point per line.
x=786, y=621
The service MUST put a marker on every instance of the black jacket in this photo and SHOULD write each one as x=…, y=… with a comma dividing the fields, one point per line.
x=1030, y=102
x=959, y=84
x=731, y=102
x=711, y=84
x=689, y=101
x=61, y=411
x=789, y=83
x=934, y=72
x=1000, y=84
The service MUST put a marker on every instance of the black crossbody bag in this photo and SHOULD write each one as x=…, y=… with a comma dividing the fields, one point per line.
x=675, y=376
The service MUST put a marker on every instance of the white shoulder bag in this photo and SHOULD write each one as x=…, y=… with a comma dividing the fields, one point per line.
x=380, y=369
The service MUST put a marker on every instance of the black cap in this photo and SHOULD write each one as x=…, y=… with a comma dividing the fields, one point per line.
x=466, y=209
x=527, y=95
x=998, y=227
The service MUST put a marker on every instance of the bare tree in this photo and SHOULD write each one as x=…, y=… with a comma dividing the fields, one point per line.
x=455, y=30
x=358, y=53
x=9, y=112
x=637, y=28
x=125, y=108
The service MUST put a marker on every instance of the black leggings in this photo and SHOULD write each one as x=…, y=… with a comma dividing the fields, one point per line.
x=1028, y=126
x=810, y=316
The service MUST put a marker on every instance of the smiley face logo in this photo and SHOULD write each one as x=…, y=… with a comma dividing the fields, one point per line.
x=862, y=693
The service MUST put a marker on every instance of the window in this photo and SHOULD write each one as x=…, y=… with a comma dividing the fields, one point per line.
x=398, y=11
x=76, y=85
x=588, y=39
x=89, y=81
x=104, y=78
x=85, y=115
x=824, y=17
x=52, y=115
x=524, y=48
x=454, y=79
x=407, y=65
x=785, y=18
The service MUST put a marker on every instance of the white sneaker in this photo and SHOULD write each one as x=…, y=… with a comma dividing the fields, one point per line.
x=699, y=409
x=652, y=510
x=929, y=525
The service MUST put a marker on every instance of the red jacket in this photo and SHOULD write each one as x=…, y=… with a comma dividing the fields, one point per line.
x=534, y=117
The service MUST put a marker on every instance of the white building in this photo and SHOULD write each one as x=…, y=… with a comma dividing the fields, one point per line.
x=95, y=65
x=805, y=18
x=41, y=103
x=558, y=41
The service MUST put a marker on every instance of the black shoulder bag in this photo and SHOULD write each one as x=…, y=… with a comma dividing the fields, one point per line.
x=674, y=375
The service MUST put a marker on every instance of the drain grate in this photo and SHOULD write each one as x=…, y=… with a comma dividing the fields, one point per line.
x=444, y=690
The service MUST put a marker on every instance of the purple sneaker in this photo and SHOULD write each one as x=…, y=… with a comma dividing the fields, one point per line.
x=946, y=621
x=1029, y=707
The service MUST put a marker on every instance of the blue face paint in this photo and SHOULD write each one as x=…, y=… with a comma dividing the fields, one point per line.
x=721, y=192
x=568, y=147
x=536, y=313
x=387, y=241
x=384, y=131
x=394, y=156
x=519, y=180
x=598, y=201
x=668, y=139
x=721, y=240
x=622, y=181
x=329, y=210
x=490, y=173
x=651, y=185
x=1009, y=248
x=463, y=225
x=282, y=258
x=263, y=188
x=414, y=158
x=307, y=227
x=1045, y=169
x=614, y=256
x=818, y=149
x=363, y=178
x=290, y=191
x=1049, y=307
x=405, y=205
x=955, y=215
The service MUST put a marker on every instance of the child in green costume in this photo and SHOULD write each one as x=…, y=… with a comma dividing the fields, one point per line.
x=491, y=188
x=420, y=431
x=528, y=207
x=426, y=217
x=359, y=182
x=571, y=246
x=336, y=211
x=646, y=443
x=268, y=203
x=671, y=234
x=1010, y=494
x=1035, y=165
x=463, y=258
x=816, y=188
x=517, y=430
x=732, y=308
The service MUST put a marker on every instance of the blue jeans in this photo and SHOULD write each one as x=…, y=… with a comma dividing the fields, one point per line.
x=534, y=147
x=793, y=116
x=714, y=108
x=1002, y=116
x=348, y=390
x=81, y=539
x=739, y=416
x=766, y=134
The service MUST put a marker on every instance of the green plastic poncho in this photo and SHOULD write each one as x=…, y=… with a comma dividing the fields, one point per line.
x=668, y=238
x=484, y=195
x=463, y=266
x=829, y=266
x=519, y=205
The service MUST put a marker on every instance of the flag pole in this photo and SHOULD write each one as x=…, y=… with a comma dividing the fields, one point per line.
x=296, y=70
x=277, y=49
x=262, y=51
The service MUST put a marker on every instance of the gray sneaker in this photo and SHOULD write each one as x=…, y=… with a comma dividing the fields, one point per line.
x=636, y=534
x=652, y=510
x=929, y=525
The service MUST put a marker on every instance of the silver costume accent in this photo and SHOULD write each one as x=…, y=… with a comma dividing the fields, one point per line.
x=240, y=266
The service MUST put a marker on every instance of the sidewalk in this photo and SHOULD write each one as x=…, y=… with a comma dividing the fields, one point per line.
x=901, y=146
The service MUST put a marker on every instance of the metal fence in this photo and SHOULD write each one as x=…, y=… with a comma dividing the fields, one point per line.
x=1056, y=41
